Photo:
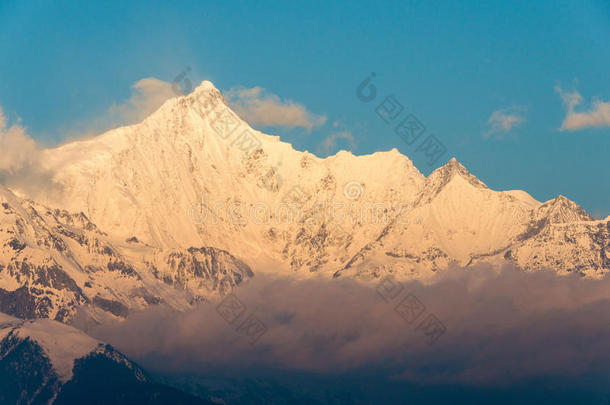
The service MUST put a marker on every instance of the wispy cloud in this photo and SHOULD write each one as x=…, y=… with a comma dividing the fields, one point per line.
x=503, y=120
x=330, y=143
x=261, y=108
x=147, y=95
x=598, y=116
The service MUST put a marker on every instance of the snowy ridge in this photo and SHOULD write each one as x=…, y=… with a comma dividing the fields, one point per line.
x=61, y=343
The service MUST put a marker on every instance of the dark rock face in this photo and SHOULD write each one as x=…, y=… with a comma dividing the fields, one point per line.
x=34, y=299
x=55, y=277
x=114, y=307
x=26, y=374
x=534, y=228
x=107, y=377
x=215, y=268
x=21, y=303
x=602, y=239
x=16, y=244
x=123, y=268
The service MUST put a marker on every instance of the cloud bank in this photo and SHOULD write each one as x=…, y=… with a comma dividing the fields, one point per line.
x=598, y=116
x=503, y=327
x=261, y=108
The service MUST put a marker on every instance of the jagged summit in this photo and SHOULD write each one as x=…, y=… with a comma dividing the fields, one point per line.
x=451, y=169
x=561, y=209
x=440, y=178
x=201, y=101
x=205, y=86
x=206, y=92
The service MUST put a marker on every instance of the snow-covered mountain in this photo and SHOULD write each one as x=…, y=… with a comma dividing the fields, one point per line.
x=187, y=202
x=44, y=361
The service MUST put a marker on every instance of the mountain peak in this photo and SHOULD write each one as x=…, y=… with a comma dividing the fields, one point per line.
x=206, y=87
x=452, y=168
x=439, y=178
x=203, y=99
x=561, y=199
x=206, y=91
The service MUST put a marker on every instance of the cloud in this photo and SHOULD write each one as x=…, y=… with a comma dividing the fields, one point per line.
x=263, y=109
x=504, y=327
x=21, y=160
x=147, y=95
x=503, y=120
x=330, y=142
x=18, y=149
x=598, y=115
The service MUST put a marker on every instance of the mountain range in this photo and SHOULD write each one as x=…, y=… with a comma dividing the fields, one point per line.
x=192, y=201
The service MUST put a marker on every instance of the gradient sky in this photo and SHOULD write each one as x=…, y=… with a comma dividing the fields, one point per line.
x=484, y=77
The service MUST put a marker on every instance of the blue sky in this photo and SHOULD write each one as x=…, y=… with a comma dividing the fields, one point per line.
x=485, y=78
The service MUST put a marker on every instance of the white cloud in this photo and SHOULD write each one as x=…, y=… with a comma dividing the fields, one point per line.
x=21, y=160
x=598, y=115
x=261, y=108
x=18, y=149
x=330, y=143
x=503, y=120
